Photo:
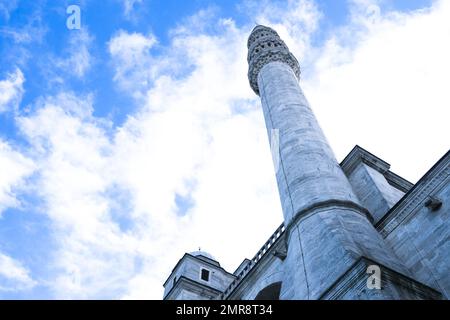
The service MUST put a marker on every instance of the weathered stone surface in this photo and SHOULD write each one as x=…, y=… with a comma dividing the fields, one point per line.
x=328, y=238
x=308, y=172
x=267, y=272
x=185, y=279
x=264, y=46
x=353, y=285
x=421, y=236
x=374, y=191
x=372, y=182
x=325, y=244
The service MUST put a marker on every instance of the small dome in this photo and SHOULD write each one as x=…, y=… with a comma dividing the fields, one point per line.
x=202, y=253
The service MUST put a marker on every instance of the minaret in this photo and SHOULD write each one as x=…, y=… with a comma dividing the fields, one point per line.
x=328, y=230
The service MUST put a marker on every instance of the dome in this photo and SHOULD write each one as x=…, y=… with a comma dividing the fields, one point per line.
x=202, y=253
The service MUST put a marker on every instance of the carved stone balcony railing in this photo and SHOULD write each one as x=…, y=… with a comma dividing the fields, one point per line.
x=253, y=262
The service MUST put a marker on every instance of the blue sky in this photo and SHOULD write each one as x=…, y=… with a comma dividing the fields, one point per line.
x=137, y=138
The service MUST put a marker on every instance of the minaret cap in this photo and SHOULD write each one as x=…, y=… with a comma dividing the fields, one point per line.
x=264, y=46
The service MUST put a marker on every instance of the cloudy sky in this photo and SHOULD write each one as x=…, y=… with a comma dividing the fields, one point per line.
x=137, y=138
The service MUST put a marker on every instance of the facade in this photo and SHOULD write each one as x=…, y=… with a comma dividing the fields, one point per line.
x=353, y=230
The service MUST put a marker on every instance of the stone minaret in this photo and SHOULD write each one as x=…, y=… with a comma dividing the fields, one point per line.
x=328, y=230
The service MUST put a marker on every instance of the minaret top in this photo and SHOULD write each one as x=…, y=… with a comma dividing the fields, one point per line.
x=264, y=46
x=260, y=31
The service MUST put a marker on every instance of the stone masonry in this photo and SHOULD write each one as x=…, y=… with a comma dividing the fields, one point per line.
x=340, y=220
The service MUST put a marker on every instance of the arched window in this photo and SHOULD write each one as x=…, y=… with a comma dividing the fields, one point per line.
x=271, y=292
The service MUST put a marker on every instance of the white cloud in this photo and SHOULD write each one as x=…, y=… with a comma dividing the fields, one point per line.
x=7, y=7
x=129, y=6
x=77, y=60
x=233, y=181
x=14, y=169
x=132, y=60
x=32, y=30
x=387, y=85
x=18, y=36
x=11, y=91
x=112, y=201
x=71, y=150
x=13, y=275
x=199, y=134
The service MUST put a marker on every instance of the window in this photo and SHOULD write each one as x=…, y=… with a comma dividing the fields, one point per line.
x=204, y=275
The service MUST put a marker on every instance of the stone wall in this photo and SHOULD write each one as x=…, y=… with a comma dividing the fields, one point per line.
x=419, y=233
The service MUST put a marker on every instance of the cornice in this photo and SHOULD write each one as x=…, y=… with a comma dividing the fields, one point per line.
x=355, y=278
x=416, y=197
x=360, y=155
x=184, y=282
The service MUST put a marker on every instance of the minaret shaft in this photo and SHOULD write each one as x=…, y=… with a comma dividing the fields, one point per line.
x=307, y=173
x=327, y=229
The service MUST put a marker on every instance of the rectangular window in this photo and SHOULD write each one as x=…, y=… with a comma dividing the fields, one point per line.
x=205, y=275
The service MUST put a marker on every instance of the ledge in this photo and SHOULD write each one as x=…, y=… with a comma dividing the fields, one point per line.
x=360, y=155
x=419, y=193
x=186, y=282
x=355, y=278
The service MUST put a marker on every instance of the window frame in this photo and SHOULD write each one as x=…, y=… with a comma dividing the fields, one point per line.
x=208, y=274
